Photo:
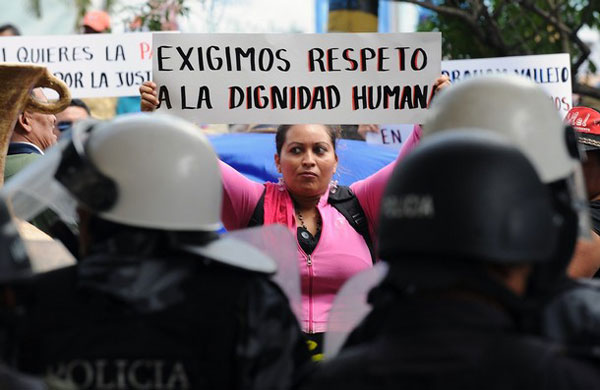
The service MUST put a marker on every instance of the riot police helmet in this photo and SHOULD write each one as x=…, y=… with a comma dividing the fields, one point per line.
x=141, y=171
x=523, y=112
x=471, y=196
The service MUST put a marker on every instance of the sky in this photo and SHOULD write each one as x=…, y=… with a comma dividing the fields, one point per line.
x=208, y=16
x=252, y=16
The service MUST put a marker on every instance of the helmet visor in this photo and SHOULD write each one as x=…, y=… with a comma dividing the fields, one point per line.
x=268, y=249
x=34, y=189
x=34, y=195
x=39, y=186
x=350, y=307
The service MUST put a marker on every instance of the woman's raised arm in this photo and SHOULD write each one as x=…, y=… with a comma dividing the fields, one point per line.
x=369, y=191
x=240, y=196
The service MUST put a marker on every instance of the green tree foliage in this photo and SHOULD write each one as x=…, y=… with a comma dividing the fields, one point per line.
x=36, y=7
x=497, y=28
x=159, y=15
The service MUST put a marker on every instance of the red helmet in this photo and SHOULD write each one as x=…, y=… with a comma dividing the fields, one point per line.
x=586, y=122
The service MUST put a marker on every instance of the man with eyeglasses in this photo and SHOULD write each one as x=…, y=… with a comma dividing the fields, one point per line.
x=75, y=112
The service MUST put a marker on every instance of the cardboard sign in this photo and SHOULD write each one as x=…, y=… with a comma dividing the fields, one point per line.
x=296, y=78
x=92, y=65
x=390, y=135
x=551, y=71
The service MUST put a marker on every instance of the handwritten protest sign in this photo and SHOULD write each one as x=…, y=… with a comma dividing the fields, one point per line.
x=296, y=78
x=390, y=135
x=92, y=65
x=551, y=71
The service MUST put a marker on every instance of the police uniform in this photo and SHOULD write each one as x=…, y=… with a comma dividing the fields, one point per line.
x=158, y=300
x=170, y=321
x=436, y=343
x=466, y=226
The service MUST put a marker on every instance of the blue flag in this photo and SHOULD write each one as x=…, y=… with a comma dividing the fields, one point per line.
x=251, y=154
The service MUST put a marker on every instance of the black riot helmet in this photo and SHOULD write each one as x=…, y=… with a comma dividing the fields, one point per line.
x=470, y=196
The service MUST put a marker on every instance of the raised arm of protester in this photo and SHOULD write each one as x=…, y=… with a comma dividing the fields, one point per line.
x=441, y=83
x=149, y=96
x=333, y=225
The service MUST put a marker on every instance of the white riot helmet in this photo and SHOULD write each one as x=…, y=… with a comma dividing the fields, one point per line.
x=520, y=110
x=151, y=171
x=515, y=107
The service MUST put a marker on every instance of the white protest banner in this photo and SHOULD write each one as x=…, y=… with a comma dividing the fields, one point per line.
x=296, y=78
x=92, y=65
x=390, y=135
x=551, y=71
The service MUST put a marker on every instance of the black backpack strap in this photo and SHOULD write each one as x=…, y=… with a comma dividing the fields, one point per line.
x=258, y=216
x=344, y=200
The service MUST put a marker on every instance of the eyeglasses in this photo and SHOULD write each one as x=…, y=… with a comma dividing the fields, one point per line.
x=64, y=125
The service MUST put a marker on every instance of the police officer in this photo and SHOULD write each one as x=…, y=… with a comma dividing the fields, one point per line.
x=465, y=219
x=573, y=316
x=519, y=109
x=15, y=269
x=158, y=300
x=586, y=122
x=522, y=111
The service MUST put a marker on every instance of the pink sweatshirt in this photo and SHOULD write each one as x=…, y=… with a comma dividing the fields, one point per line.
x=341, y=251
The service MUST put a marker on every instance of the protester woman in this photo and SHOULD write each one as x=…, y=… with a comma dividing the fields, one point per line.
x=330, y=250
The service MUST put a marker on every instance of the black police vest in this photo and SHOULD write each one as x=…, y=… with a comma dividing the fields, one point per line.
x=203, y=340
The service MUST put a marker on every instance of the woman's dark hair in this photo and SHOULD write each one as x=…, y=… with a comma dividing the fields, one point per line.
x=80, y=103
x=282, y=130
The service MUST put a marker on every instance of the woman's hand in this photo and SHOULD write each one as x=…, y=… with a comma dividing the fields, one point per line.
x=442, y=82
x=364, y=129
x=149, y=96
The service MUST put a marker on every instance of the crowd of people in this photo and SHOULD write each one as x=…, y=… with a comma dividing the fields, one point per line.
x=488, y=222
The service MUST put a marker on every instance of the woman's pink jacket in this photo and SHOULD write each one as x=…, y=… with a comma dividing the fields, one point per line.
x=340, y=253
